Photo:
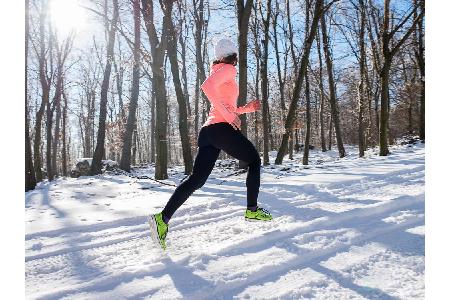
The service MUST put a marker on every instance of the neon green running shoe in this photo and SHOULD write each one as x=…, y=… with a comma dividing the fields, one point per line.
x=158, y=229
x=260, y=214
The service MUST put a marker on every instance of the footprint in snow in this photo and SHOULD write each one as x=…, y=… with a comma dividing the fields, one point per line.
x=37, y=247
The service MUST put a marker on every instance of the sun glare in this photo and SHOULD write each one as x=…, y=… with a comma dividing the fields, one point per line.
x=67, y=15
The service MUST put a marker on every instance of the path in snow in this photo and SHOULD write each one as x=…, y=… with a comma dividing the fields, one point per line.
x=343, y=229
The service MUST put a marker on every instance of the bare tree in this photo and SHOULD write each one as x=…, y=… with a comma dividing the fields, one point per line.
x=100, y=147
x=318, y=10
x=389, y=47
x=264, y=82
x=307, y=99
x=158, y=48
x=182, y=107
x=64, y=135
x=322, y=97
x=62, y=52
x=199, y=37
x=332, y=88
x=131, y=121
x=361, y=86
x=45, y=80
x=244, y=9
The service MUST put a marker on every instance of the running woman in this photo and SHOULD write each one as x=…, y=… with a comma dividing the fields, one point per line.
x=221, y=131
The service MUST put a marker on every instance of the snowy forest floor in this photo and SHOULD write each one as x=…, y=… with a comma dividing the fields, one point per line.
x=350, y=228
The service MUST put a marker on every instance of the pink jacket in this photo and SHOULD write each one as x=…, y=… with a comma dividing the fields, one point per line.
x=222, y=91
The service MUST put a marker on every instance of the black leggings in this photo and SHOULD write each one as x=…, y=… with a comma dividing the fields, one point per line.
x=212, y=139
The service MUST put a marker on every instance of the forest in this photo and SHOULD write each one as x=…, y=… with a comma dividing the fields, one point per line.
x=120, y=80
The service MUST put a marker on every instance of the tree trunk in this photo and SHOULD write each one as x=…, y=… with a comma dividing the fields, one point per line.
x=62, y=53
x=200, y=70
x=384, y=110
x=152, y=128
x=48, y=144
x=420, y=58
x=277, y=56
x=257, y=51
x=30, y=178
x=244, y=11
x=332, y=88
x=308, y=121
x=64, y=137
x=131, y=120
x=265, y=85
x=56, y=138
x=318, y=10
x=361, y=88
x=182, y=39
x=182, y=107
x=308, y=100
x=322, y=98
x=330, y=132
x=158, y=54
x=45, y=85
x=291, y=36
x=96, y=167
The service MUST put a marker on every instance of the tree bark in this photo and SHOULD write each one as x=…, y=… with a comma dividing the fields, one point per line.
x=30, y=178
x=131, y=120
x=45, y=82
x=62, y=53
x=64, y=137
x=265, y=84
x=96, y=167
x=158, y=48
x=361, y=88
x=48, y=144
x=308, y=121
x=332, y=88
x=152, y=128
x=322, y=98
x=182, y=107
x=57, y=100
x=244, y=11
x=307, y=99
x=277, y=56
x=420, y=58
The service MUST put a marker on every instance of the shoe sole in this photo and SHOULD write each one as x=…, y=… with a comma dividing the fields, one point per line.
x=154, y=231
x=256, y=220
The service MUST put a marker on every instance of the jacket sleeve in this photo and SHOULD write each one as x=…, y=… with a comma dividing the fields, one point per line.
x=209, y=87
x=244, y=110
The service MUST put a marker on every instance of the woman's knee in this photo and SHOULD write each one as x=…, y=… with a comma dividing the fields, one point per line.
x=197, y=181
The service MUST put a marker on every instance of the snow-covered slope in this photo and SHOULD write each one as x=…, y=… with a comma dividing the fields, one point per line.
x=344, y=229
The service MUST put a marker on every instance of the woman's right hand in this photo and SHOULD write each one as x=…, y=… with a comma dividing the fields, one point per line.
x=236, y=123
x=254, y=104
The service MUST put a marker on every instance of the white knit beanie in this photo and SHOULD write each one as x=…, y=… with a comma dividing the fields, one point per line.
x=224, y=47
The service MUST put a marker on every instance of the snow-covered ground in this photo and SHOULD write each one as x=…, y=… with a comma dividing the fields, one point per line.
x=343, y=229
